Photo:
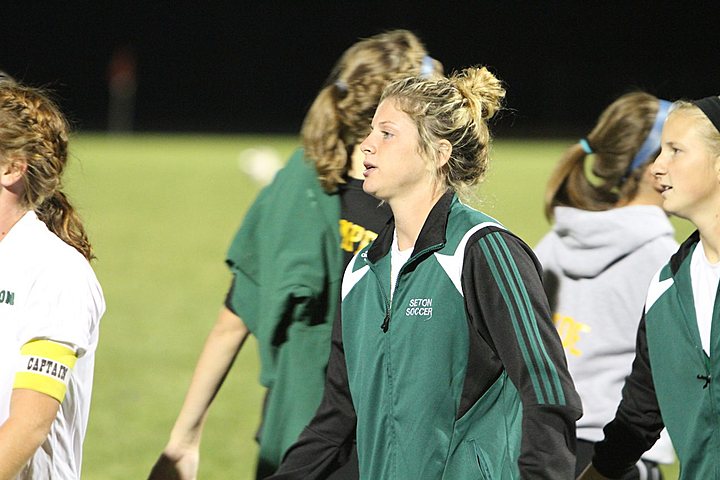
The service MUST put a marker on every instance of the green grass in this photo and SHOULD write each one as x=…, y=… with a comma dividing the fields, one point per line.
x=161, y=211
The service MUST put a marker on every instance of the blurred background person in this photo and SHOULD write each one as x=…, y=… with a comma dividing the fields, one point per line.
x=288, y=257
x=122, y=86
x=609, y=236
x=50, y=299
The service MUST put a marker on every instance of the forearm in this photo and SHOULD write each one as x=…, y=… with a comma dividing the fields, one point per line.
x=27, y=427
x=217, y=357
x=18, y=442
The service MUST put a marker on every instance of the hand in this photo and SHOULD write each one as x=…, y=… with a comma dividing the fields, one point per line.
x=591, y=474
x=176, y=467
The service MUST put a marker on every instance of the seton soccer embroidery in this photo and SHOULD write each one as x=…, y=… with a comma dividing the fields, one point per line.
x=420, y=307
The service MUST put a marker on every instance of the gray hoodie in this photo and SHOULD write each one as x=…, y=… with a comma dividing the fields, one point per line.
x=597, y=268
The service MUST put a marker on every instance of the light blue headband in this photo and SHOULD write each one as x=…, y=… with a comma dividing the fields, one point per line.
x=427, y=67
x=585, y=146
x=652, y=141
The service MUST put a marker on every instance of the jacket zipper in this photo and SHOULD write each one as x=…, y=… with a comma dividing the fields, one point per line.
x=385, y=326
x=386, y=321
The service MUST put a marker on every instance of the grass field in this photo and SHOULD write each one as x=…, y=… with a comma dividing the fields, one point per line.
x=161, y=211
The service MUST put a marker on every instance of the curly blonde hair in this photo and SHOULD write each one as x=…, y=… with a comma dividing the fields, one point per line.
x=34, y=131
x=456, y=109
x=341, y=114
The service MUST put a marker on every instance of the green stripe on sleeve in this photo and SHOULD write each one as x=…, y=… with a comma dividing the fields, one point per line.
x=499, y=280
x=528, y=315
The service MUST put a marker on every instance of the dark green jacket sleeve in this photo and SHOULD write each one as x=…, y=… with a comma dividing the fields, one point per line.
x=285, y=260
x=507, y=303
x=286, y=263
x=325, y=445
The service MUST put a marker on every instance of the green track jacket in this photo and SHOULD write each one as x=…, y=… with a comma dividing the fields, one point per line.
x=287, y=268
x=461, y=376
x=672, y=383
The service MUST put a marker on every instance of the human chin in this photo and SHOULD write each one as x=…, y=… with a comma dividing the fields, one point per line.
x=372, y=188
x=368, y=186
x=673, y=207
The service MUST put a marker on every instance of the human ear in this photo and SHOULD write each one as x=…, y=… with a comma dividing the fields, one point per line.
x=444, y=151
x=12, y=172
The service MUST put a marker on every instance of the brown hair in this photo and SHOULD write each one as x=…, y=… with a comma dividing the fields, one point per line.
x=341, y=114
x=34, y=131
x=456, y=109
x=617, y=137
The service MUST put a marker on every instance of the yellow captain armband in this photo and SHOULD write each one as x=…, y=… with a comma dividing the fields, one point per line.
x=45, y=367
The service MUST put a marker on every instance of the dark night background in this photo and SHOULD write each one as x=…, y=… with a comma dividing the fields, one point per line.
x=236, y=66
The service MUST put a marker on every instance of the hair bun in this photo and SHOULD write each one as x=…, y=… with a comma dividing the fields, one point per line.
x=482, y=89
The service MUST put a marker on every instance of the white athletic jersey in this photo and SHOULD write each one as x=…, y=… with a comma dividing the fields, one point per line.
x=704, y=276
x=48, y=291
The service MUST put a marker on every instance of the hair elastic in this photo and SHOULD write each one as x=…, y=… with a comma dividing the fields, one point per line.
x=585, y=146
x=427, y=67
x=341, y=86
x=652, y=141
x=710, y=106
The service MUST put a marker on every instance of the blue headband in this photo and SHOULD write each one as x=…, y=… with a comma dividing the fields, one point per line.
x=652, y=142
x=427, y=67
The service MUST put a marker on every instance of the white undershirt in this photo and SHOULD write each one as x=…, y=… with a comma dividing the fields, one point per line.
x=398, y=258
x=705, y=277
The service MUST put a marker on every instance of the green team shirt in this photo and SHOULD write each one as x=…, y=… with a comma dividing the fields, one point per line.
x=287, y=262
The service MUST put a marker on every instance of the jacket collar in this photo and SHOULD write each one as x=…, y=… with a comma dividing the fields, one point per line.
x=685, y=249
x=432, y=234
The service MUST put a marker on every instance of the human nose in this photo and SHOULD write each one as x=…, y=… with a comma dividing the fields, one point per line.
x=366, y=146
x=658, y=167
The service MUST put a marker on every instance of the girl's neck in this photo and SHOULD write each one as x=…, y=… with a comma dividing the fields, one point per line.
x=410, y=217
x=9, y=216
x=11, y=207
x=711, y=242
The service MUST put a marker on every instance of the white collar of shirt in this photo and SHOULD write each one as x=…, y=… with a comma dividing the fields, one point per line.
x=398, y=258
x=705, y=277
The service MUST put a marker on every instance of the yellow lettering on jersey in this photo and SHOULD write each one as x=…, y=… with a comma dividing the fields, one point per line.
x=354, y=238
x=569, y=331
x=45, y=367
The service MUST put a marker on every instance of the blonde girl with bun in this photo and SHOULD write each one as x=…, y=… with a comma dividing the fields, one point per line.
x=445, y=363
